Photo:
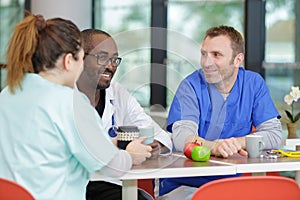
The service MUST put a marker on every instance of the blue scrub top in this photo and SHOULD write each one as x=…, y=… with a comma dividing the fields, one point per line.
x=248, y=104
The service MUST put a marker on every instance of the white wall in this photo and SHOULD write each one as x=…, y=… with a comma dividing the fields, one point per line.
x=78, y=11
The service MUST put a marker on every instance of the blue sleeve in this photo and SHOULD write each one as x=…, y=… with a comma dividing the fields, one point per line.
x=263, y=107
x=184, y=106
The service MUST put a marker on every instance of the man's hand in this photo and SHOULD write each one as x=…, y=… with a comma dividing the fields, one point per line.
x=228, y=147
x=155, y=149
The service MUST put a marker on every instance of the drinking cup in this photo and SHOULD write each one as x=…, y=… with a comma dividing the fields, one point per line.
x=254, y=145
x=148, y=132
x=126, y=134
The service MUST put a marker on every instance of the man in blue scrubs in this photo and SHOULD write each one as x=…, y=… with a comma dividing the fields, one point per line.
x=218, y=105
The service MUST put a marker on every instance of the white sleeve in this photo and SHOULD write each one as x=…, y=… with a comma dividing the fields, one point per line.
x=98, y=149
x=159, y=134
x=119, y=165
x=133, y=113
x=182, y=129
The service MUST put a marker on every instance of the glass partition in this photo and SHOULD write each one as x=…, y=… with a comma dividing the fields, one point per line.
x=282, y=54
x=11, y=12
x=128, y=22
x=187, y=24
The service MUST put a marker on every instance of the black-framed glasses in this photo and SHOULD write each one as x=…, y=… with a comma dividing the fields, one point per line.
x=104, y=60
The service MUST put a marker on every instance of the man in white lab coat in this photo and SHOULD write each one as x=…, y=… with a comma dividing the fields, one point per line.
x=114, y=104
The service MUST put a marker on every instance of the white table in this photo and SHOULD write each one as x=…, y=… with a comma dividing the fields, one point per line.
x=293, y=144
x=259, y=166
x=175, y=165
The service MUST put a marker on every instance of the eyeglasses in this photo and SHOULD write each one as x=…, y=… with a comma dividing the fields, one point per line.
x=104, y=60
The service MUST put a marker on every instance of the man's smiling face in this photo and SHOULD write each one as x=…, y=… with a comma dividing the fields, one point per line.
x=101, y=74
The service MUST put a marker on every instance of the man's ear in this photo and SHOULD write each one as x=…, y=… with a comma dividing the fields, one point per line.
x=67, y=61
x=238, y=60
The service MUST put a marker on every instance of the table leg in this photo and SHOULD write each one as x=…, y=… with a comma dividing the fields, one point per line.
x=297, y=174
x=297, y=177
x=129, y=190
x=258, y=173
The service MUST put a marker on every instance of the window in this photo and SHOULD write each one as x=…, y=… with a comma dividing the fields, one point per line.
x=11, y=12
x=128, y=22
x=282, y=54
x=187, y=23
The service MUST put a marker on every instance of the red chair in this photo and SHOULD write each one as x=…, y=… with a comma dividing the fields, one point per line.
x=249, y=188
x=11, y=190
x=147, y=185
x=267, y=174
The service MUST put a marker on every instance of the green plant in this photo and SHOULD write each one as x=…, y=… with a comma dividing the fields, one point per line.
x=290, y=99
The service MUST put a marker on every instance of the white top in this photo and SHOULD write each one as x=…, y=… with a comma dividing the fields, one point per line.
x=51, y=140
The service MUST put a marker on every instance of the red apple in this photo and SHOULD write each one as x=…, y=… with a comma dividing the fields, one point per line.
x=188, y=147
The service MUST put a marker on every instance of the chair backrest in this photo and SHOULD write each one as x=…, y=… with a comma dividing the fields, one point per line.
x=249, y=188
x=11, y=190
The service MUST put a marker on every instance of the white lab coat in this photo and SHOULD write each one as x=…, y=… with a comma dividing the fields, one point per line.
x=127, y=111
